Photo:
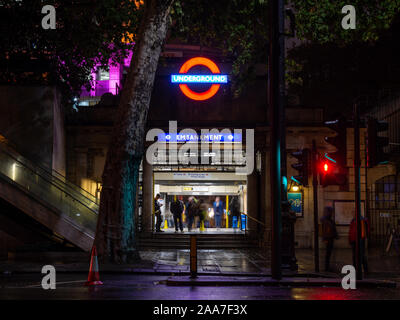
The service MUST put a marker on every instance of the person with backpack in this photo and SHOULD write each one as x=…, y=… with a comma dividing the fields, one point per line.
x=329, y=234
x=176, y=209
x=364, y=236
x=234, y=208
x=192, y=211
x=203, y=211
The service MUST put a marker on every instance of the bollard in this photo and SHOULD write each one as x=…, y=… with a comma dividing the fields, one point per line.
x=193, y=256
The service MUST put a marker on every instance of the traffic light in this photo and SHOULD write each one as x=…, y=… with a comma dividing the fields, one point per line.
x=331, y=174
x=375, y=143
x=333, y=169
x=339, y=141
x=302, y=166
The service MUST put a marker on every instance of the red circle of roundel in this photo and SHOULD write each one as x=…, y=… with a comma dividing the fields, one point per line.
x=197, y=62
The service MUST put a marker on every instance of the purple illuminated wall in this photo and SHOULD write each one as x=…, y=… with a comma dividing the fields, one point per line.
x=113, y=84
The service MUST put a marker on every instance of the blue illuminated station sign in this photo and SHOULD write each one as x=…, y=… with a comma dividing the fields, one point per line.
x=214, y=79
x=191, y=137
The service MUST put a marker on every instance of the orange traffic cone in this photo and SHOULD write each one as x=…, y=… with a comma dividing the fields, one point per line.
x=94, y=276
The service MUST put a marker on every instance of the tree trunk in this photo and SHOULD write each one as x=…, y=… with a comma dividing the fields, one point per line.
x=116, y=233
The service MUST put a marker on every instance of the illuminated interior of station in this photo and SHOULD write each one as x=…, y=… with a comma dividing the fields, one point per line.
x=216, y=179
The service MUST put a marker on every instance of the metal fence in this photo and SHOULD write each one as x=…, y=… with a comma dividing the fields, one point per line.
x=382, y=221
x=384, y=208
x=387, y=108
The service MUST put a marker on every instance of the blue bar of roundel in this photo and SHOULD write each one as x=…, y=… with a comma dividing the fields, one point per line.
x=199, y=78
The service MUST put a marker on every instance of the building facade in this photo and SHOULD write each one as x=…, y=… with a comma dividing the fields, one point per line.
x=88, y=133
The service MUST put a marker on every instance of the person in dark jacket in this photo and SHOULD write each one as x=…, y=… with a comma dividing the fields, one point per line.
x=192, y=211
x=364, y=236
x=329, y=234
x=218, y=206
x=234, y=208
x=176, y=209
x=157, y=212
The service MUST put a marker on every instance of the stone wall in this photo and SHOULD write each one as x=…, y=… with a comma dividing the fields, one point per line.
x=31, y=118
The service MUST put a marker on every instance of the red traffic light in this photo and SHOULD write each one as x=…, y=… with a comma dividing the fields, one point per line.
x=325, y=167
x=332, y=174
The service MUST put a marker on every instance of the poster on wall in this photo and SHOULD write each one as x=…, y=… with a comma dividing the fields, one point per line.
x=296, y=203
x=344, y=211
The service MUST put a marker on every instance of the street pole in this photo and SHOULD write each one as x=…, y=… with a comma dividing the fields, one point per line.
x=315, y=199
x=357, y=189
x=276, y=94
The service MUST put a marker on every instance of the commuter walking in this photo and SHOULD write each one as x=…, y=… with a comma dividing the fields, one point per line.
x=192, y=211
x=364, y=236
x=203, y=211
x=176, y=209
x=157, y=212
x=218, y=206
x=329, y=234
x=234, y=208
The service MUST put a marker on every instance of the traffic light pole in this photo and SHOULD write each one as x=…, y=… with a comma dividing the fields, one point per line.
x=314, y=164
x=357, y=189
x=276, y=94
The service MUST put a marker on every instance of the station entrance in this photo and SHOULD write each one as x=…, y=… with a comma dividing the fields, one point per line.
x=216, y=165
x=218, y=190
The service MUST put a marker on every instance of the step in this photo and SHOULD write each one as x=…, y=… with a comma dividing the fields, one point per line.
x=198, y=236
x=157, y=243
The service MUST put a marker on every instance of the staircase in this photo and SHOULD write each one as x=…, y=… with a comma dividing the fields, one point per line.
x=47, y=197
x=71, y=212
x=169, y=240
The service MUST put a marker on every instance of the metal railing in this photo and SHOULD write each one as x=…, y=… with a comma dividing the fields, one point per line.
x=53, y=176
x=61, y=196
x=382, y=220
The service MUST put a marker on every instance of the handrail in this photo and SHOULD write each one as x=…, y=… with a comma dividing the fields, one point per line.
x=34, y=196
x=56, y=185
x=54, y=180
x=259, y=222
x=58, y=176
x=63, y=179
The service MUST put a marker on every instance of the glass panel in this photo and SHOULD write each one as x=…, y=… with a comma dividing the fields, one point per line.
x=53, y=190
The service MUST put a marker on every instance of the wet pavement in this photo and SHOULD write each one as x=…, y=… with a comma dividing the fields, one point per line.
x=216, y=261
x=257, y=261
x=147, y=279
x=222, y=261
x=153, y=287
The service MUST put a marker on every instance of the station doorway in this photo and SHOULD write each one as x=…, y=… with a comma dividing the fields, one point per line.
x=206, y=186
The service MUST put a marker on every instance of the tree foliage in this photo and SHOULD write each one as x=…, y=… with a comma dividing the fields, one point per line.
x=239, y=28
x=87, y=33
x=90, y=32
x=320, y=20
x=334, y=66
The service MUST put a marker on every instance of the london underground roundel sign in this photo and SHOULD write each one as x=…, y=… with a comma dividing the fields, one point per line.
x=184, y=78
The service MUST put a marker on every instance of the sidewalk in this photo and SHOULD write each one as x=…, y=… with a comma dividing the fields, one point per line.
x=223, y=262
x=269, y=282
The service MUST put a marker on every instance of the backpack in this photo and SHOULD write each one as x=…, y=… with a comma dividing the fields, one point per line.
x=353, y=230
x=235, y=207
x=176, y=207
x=193, y=208
x=364, y=229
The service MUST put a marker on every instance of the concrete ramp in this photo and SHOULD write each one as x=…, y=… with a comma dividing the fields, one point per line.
x=48, y=198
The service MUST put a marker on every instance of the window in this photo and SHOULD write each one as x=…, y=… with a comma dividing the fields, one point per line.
x=386, y=193
x=102, y=74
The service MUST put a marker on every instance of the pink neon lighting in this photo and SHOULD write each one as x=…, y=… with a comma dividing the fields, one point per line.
x=113, y=84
